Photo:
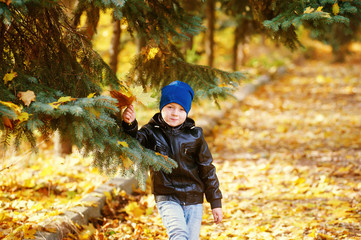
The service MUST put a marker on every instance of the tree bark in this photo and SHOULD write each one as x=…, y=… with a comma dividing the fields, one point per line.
x=235, y=49
x=210, y=14
x=115, y=46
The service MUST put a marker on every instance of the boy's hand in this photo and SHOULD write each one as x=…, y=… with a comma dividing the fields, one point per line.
x=129, y=114
x=217, y=215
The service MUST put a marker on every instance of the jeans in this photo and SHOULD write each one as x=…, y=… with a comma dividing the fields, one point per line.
x=182, y=222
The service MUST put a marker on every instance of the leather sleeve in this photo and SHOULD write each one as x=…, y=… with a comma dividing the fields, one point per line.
x=208, y=175
x=141, y=135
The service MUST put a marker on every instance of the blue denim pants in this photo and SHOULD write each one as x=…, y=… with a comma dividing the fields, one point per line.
x=183, y=222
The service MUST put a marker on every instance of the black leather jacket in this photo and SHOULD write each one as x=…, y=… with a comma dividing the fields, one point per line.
x=195, y=174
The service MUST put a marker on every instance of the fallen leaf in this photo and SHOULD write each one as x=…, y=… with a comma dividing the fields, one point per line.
x=29, y=232
x=9, y=76
x=27, y=97
x=13, y=106
x=91, y=95
x=152, y=53
x=24, y=116
x=7, y=122
x=335, y=8
x=308, y=10
x=124, y=144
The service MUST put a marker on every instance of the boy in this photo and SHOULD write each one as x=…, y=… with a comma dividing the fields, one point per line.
x=179, y=195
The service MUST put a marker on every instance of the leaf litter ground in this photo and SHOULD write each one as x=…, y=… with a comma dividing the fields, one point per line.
x=288, y=159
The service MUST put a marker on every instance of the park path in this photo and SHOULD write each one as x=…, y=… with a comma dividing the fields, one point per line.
x=288, y=159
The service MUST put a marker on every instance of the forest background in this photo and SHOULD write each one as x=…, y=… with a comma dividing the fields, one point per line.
x=61, y=59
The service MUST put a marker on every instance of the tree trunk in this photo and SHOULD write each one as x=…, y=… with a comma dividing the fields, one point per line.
x=66, y=147
x=210, y=14
x=115, y=46
x=92, y=20
x=235, y=49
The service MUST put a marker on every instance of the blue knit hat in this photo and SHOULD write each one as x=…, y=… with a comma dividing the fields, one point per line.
x=177, y=92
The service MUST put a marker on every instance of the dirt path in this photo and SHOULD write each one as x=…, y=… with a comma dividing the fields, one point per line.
x=288, y=158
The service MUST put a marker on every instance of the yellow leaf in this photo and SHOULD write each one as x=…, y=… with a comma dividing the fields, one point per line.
x=65, y=99
x=335, y=8
x=13, y=106
x=127, y=163
x=29, y=232
x=108, y=196
x=313, y=233
x=142, y=97
x=9, y=76
x=48, y=171
x=281, y=129
x=152, y=53
x=61, y=100
x=124, y=144
x=308, y=10
x=134, y=209
x=27, y=97
x=55, y=104
x=24, y=116
x=319, y=9
x=88, y=232
x=300, y=181
x=91, y=95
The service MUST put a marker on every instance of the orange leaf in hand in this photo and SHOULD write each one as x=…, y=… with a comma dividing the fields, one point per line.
x=123, y=100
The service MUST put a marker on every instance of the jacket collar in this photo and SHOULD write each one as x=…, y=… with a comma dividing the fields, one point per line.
x=158, y=121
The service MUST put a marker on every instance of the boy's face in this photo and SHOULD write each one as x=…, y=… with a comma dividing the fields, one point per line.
x=173, y=114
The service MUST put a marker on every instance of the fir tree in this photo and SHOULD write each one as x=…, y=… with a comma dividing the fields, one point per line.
x=334, y=22
x=52, y=79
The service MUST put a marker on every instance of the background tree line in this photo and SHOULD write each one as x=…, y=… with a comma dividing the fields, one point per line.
x=53, y=80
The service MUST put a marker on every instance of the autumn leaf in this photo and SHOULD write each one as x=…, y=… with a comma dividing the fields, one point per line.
x=13, y=106
x=124, y=144
x=123, y=100
x=6, y=1
x=335, y=9
x=29, y=232
x=7, y=122
x=127, y=163
x=66, y=99
x=91, y=95
x=22, y=117
x=308, y=10
x=9, y=76
x=27, y=97
x=141, y=96
x=108, y=195
x=319, y=9
x=61, y=100
x=152, y=53
x=135, y=94
x=134, y=209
